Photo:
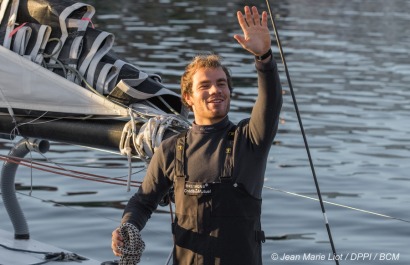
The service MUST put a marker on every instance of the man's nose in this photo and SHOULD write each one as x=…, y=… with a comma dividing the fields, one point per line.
x=215, y=89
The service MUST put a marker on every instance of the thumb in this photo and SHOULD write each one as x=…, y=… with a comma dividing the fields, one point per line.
x=240, y=39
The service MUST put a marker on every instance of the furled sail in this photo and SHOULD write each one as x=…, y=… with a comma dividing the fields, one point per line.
x=53, y=59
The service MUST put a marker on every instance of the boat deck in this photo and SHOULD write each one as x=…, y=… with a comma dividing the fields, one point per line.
x=10, y=257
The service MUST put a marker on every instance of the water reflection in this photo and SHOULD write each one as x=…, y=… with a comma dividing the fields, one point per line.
x=305, y=236
x=22, y=187
x=162, y=36
x=91, y=204
x=348, y=61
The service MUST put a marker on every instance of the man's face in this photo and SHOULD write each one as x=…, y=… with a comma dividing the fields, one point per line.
x=210, y=98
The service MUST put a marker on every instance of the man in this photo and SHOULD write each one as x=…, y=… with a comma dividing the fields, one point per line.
x=217, y=168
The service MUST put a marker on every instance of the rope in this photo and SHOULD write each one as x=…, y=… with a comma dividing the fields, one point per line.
x=125, y=146
x=67, y=172
x=172, y=224
x=133, y=244
x=338, y=204
x=49, y=256
x=11, y=112
x=150, y=135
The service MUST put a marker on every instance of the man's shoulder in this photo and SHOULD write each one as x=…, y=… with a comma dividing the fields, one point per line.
x=169, y=143
x=243, y=123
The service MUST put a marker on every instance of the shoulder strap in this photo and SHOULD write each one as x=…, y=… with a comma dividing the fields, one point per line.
x=227, y=170
x=180, y=154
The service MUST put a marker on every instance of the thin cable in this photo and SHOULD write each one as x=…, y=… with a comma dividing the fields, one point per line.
x=31, y=171
x=71, y=173
x=303, y=133
x=338, y=204
x=173, y=236
x=82, y=210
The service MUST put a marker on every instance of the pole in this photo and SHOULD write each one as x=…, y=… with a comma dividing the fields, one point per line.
x=304, y=135
x=95, y=133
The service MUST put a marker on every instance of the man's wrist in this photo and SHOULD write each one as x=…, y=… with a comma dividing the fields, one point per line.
x=264, y=56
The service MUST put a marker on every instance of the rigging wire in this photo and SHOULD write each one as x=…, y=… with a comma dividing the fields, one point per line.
x=61, y=165
x=329, y=233
x=29, y=163
x=337, y=204
x=41, y=166
x=173, y=236
x=68, y=207
x=68, y=172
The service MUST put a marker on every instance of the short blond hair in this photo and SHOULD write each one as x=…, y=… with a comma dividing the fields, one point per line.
x=211, y=61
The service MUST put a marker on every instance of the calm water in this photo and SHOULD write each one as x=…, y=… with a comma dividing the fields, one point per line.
x=350, y=69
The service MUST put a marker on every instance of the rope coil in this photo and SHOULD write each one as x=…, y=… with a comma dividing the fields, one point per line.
x=148, y=138
x=133, y=244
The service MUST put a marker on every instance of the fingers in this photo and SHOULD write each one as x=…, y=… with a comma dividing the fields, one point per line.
x=256, y=35
x=255, y=16
x=239, y=39
x=264, y=21
x=241, y=21
x=251, y=17
x=116, y=241
x=248, y=16
x=246, y=21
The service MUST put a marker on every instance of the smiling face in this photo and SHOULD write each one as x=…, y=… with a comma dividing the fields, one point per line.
x=210, y=95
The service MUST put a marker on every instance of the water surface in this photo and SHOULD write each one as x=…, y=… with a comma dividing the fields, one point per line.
x=350, y=70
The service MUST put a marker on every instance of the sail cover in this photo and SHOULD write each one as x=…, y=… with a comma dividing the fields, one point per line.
x=53, y=59
x=26, y=85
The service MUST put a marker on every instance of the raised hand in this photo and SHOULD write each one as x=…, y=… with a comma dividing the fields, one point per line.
x=256, y=35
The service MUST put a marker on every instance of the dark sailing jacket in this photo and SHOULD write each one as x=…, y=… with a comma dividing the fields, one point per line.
x=204, y=163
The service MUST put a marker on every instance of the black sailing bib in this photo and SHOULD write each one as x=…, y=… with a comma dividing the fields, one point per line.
x=215, y=223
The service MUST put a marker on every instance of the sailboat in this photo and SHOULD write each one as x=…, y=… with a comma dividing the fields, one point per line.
x=60, y=80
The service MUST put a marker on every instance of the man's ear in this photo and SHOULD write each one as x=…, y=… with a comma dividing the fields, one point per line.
x=187, y=98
